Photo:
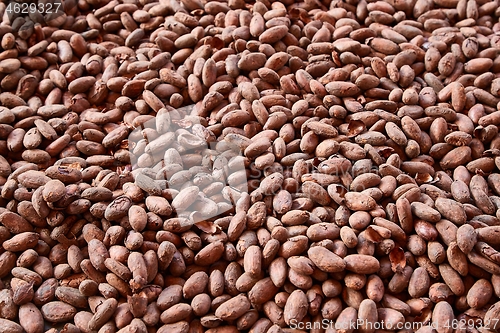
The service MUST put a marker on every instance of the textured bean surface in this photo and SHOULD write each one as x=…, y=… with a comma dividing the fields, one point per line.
x=239, y=166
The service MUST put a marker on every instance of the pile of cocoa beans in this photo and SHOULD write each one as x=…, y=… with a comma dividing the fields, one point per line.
x=350, y=180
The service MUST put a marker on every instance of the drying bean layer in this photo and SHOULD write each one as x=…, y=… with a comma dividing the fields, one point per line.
x=239, y=166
